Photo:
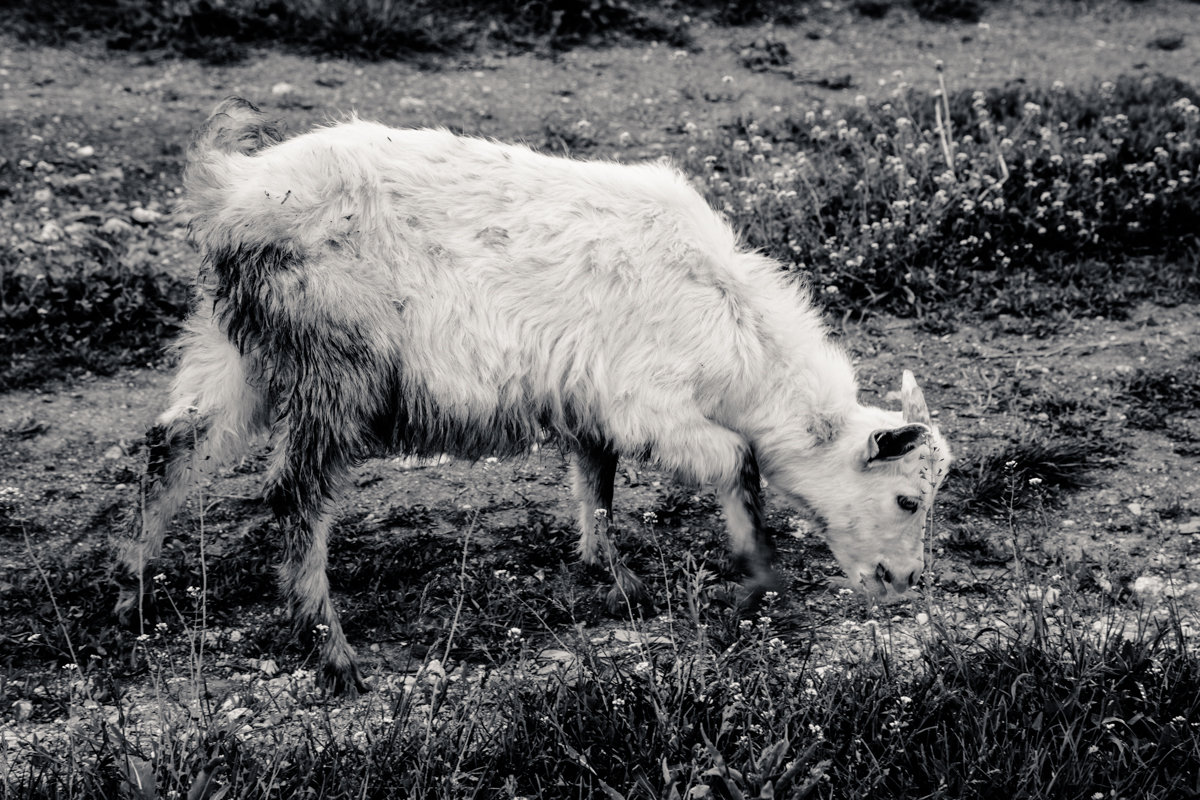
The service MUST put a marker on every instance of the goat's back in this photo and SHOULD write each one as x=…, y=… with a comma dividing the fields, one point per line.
x=516, y=289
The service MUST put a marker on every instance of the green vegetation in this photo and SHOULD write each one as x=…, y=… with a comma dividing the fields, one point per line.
x=707, y=707
x=1032, y=201
x=221, y=31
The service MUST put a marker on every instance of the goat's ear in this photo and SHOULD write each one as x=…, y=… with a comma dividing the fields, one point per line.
x=912, y=401
x=888, y=444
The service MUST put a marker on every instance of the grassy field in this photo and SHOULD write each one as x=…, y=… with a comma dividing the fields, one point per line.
x=1002, y=198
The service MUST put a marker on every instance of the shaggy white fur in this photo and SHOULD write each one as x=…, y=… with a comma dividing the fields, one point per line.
x=368, y=289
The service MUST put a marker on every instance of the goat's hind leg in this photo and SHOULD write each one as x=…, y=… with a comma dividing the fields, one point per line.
x=594, y=470
x=317, y=448
x=214, y=414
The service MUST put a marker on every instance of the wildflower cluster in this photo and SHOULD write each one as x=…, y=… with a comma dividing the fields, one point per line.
x=893, y=206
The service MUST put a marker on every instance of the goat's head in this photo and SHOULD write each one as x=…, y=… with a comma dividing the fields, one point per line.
x=876, y=490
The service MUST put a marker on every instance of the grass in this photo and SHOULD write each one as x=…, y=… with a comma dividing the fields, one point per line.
x=223, y=31
x=512, y=693
x=1026, y=471
x=220, y=32
x=1037, y=708
x=82, y=283
x=1030, y=201
x=1158, y=395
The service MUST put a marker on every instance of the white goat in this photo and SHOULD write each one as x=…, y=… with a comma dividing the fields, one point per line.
x=369, y=290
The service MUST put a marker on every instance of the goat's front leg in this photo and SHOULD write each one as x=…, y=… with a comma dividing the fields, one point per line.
x=708, y=453
x=741, y=499
x=315, y=461
x=593, y=471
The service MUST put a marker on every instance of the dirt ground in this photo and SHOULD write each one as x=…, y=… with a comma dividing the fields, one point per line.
x=73, y=453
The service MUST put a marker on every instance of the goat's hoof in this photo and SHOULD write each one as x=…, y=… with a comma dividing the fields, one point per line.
x=128, y=609
x=628, y=597
x=343, y=680
x=755, y=588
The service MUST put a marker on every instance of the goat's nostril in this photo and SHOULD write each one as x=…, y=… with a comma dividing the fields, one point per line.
x=913, y=577
x=883, y=573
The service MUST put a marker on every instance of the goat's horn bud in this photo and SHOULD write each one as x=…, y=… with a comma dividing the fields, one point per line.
x=912, y=401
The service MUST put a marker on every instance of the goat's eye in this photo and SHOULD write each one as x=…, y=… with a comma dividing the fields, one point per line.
x=909, y=504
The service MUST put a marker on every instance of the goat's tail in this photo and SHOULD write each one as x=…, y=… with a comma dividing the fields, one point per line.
x=234, y=129
x=235, y=126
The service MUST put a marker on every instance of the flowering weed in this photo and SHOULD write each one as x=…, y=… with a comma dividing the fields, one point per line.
x=1021, y=200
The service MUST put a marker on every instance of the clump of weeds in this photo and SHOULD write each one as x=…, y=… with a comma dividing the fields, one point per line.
x=1022, y=200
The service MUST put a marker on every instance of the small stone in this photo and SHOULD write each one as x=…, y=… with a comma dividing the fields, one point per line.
x=1047, y=596
x=114, y=452
x=268, y=667
x=145, y=215
x=1190, y=527
x=229, y=703
x=1149, y=585
x=43, y=195
x=87, y=151
x=51, y=232
x=22, y=710
x=114, y=226
x=282, y=88
x=1135, y=509
x=1168, y=41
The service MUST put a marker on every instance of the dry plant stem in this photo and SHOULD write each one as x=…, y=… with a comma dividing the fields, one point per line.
x=941, y=110
x=50, y=592
x=462, y=584
x=141, y=573
x=931, y=608
x=662, y=562
x=199, y=683
x=1013, y=536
